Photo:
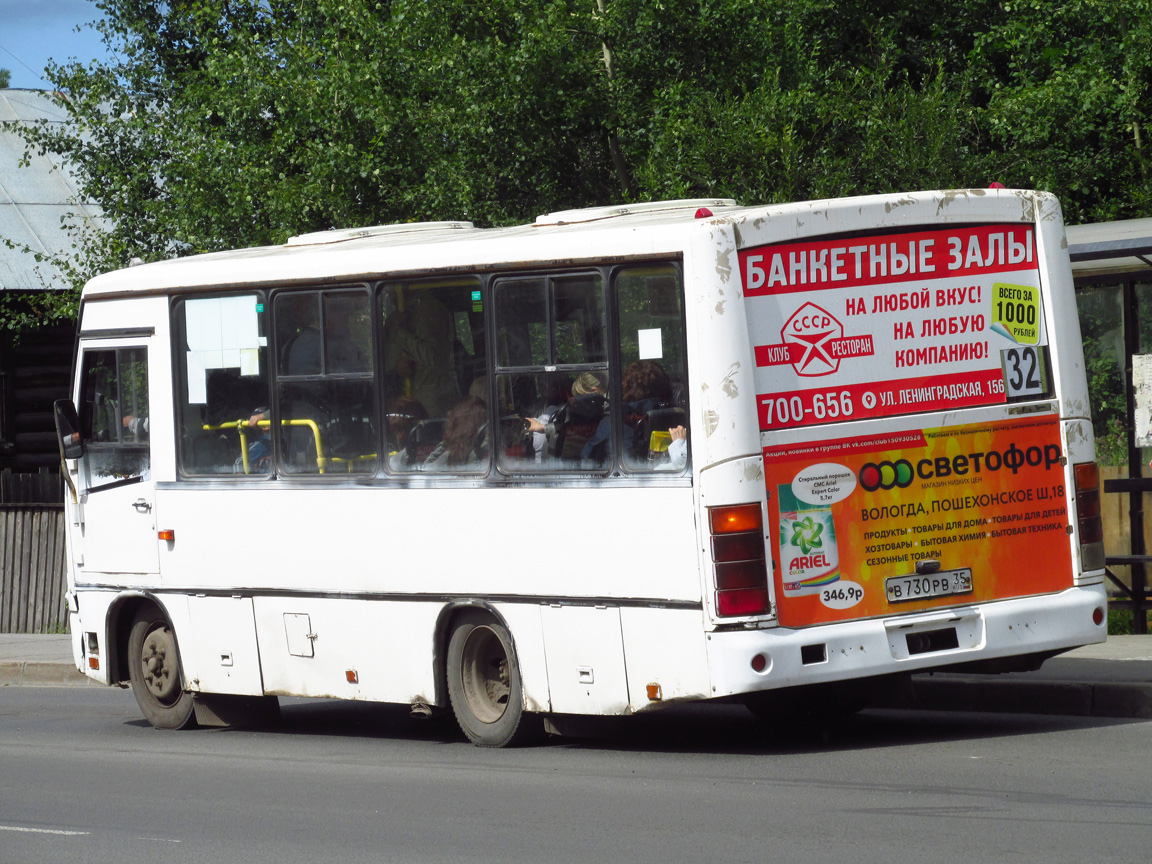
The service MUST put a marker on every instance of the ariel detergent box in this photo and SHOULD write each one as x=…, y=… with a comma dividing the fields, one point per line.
x=809, y=559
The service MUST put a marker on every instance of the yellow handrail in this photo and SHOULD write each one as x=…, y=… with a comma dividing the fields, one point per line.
x=241, y=426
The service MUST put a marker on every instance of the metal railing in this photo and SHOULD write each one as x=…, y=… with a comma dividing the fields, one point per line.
x=242, y=427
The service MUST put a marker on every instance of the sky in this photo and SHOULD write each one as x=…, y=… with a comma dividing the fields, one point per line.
x=32, y=31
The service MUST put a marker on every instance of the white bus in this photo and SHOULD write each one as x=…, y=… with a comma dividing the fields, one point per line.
x=619, y=458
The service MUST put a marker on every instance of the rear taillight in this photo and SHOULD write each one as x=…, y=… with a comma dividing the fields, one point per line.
x=738, y=561
x=1088, y=521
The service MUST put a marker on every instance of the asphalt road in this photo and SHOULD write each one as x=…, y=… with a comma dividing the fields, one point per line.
x=82, y=778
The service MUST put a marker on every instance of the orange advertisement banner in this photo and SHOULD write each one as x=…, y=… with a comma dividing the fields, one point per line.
x=864, y=527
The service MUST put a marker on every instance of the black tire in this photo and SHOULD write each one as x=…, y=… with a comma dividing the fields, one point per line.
x=154, y=670
x=484, y=683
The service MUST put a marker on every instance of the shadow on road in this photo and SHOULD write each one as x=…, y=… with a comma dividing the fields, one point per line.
x=699, y=728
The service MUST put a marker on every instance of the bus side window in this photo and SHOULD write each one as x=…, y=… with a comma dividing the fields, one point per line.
x=114, y=413
x=325, y=390
x=654, y=389
x=435, y=387
x=222, y=381
x=552, y=378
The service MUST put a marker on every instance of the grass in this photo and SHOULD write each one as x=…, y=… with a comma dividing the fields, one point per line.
x=1120, y=622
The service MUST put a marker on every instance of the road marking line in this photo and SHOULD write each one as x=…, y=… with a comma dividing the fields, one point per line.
x=44, y=831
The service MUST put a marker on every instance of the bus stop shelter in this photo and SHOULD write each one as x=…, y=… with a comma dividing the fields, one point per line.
x=1112, y=266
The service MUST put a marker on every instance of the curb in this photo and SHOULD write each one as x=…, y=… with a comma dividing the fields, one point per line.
x=1066, y=698
x=38, y=673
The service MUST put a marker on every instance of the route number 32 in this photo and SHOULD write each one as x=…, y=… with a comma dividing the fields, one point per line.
x=1023, y=371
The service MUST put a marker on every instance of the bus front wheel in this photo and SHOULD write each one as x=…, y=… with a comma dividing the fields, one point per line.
x=484, y=682
x=154, y=670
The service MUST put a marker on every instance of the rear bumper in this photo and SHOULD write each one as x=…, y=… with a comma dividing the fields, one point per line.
x=908, y=643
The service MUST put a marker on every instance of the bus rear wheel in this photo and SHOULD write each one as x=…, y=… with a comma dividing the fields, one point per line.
x=484, y=683
x=154, y=670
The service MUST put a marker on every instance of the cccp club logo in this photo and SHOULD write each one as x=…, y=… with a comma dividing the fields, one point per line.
x=886, y=475
x=813, y=331
x=812, y=342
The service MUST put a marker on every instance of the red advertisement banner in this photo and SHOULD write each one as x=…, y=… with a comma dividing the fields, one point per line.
x=892, y=324
x=816, y=405
x=887, y=259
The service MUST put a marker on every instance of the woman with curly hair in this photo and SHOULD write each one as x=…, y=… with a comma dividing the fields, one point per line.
x=644, y=382
x=465, y=420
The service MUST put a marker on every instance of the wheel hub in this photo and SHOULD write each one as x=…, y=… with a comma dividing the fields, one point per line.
x=486, y=681
x=162, y=679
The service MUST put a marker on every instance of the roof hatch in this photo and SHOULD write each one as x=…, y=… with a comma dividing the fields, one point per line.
x=593, y=214
x=317, y=238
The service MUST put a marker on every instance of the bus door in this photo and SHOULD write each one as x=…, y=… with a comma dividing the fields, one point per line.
x=113, y=477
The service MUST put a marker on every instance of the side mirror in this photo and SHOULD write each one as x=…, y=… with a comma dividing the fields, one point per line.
x=68, y=429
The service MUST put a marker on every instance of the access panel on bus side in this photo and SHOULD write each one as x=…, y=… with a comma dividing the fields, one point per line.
x=895, y=515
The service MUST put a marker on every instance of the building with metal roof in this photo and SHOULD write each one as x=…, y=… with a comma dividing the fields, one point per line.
x=34, y=199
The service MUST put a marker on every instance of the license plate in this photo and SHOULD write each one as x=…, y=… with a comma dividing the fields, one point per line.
x=942, y=584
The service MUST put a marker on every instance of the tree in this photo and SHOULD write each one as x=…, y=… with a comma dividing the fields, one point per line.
x=5, y=78
x=236, y=122
x=226, y=123
x=1066, y=96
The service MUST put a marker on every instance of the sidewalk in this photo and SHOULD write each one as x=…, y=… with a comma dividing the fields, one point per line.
x=35, y=659
x=1109, y=680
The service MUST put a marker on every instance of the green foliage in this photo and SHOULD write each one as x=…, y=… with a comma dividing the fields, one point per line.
x=230, y=123
x=1109, y=405
x=1068, y=102
x=1101, y=327
x=24, y=312
x=5, y=78
x=1121, y=622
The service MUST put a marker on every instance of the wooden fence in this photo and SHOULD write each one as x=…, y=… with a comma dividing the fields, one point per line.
x=32, y=573
x=37, y=487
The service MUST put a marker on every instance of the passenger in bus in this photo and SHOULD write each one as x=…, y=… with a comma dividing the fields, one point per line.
x=586, y=408
x=478, y=389
x=555, y=396
x=137, y=426
x=300, y=355
x=645, y=386
x=645, y=389
x=588, y=384
x=259, y=445
x=678, y=449
x=259, y=454
x=461, y=444
x=584, y=389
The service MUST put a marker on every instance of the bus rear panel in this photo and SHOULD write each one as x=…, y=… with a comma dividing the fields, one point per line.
x=930, y=488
